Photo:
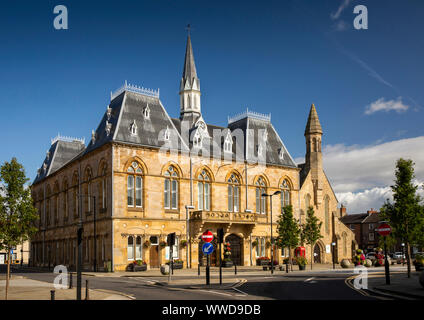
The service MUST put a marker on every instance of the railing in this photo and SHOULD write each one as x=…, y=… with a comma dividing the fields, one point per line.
x=67, y=139
x=224, y=216
x=251, y=114
x=135, y=89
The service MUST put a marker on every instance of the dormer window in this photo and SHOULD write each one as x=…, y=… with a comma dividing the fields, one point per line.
x=108, y=127
x=93, y=136
x=259, y=149
x=133, y=128
x=48, y=155
x=281, y=154
x=228, y=143
x=197, y=141
x=167, y=133
x=146, y=112
x=108, y=113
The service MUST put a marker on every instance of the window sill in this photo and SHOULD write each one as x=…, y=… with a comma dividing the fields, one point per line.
x=139, y=209
x=172, y=211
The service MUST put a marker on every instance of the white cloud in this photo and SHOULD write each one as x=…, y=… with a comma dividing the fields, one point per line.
x=339, y=11
x=382, y=105
x=361, y=175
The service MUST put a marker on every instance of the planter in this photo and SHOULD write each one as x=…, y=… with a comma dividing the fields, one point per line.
x=164, y=269
x=422, y=279
x=265, y=268
x=419, y=267
x=142, y=267
x=345, y=263
x=368, y=263
x=177, y=265
x=264, y=262
x=302, y=266
x=227, y=264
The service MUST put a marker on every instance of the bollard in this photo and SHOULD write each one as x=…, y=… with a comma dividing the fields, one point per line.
x=198, y=269
x=70, y=280
x=52, y=294
x=235, y=268
x=86, y=290
x=287, y=268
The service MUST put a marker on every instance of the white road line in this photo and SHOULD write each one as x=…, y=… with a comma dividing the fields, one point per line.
x=242, y=292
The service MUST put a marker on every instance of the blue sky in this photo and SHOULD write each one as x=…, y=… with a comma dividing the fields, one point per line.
x=270, y=56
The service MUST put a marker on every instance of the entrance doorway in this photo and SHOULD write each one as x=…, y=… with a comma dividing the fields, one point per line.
x=236, y=248
x=154, y=252
x=317, y=254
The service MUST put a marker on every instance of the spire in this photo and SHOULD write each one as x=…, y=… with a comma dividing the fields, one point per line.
x=189, y=71
x=313, y=125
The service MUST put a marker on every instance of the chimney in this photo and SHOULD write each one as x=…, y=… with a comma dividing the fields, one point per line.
x=371, y=211
x=342, y=211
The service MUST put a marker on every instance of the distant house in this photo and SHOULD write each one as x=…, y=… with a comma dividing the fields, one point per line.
x=363, y=226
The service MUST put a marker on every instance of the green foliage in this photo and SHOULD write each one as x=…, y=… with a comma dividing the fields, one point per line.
x=311, y=230
x=288, y=229
x=301, y=261
x=405, y=215
x=17, y=213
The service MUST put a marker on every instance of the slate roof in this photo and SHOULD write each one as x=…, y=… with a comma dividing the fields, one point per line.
x=60, y=153
x=354, y=218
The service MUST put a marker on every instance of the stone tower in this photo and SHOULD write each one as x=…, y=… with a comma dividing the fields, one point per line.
x=189, y=89
x=313, y=158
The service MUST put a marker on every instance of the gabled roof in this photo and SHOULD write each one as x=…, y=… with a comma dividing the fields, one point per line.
x=354, y=218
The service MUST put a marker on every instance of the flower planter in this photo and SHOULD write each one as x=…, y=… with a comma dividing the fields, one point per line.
x=264, y=262
x=227, y=264
x=419, y=267
x=177, y=265
x=142, y=267
x=302, y=267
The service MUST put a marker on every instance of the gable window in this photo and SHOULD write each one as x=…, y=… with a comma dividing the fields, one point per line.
x=203, y=191
x=260, y=200
x=285, y=194
x=233, y=194
x=166, y=135
x=171, y=189
x=197, y=140
x=133, y=128
x=134, y=186
x=228, y=143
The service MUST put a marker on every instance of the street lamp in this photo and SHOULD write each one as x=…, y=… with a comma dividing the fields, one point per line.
x=272, y=242
x=188, y=234
x=403, y=253
x=333, y=245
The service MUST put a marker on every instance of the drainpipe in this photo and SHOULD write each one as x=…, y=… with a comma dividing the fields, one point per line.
x=112, y=209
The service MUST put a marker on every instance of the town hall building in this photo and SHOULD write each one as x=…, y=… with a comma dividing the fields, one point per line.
x=144, y=175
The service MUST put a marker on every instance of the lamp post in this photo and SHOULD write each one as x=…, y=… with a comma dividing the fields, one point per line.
x=272, y=242
x=94, y=229
x=188, y=234
x=333, y=245
x=403, y=253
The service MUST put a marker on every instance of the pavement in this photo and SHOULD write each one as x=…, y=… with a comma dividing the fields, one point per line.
x=21, y=288
x=400, y=287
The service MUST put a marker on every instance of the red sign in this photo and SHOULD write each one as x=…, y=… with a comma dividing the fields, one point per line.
x=384, y=230
x=207, y=236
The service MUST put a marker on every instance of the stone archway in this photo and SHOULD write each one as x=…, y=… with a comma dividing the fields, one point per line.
x=318, y=253
x=236, y=245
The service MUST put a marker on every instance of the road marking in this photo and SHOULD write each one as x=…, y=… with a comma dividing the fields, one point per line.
x=242, y=292
x=310, y=280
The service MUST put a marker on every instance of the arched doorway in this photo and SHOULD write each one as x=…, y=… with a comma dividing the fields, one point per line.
x=317, y=253
x=236, y=248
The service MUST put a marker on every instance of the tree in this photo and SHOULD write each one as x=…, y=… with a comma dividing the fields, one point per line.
x=311, y=230
x=405, y=213
x=288, y=231
x=17, y=213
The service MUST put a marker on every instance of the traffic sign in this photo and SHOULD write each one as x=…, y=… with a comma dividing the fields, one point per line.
x=207, y=236
x=207, y=248
x=384, y=229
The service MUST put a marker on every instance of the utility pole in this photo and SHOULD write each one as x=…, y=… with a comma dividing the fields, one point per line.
x=272, y=242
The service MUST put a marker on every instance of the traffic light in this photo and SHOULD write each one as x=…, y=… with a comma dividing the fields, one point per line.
x=220, y=233
x=171, y=239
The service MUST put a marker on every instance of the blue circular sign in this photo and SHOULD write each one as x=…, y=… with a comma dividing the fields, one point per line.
x=207, y=248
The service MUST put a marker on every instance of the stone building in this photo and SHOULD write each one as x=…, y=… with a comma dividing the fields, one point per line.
x=144, y=167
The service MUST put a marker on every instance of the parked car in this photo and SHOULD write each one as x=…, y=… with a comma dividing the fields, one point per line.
x=370, y=255
x=398, y=257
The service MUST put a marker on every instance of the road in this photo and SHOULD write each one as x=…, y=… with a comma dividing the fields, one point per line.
x=309, y=285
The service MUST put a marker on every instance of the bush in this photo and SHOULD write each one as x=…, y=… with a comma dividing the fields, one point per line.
x=301, y=261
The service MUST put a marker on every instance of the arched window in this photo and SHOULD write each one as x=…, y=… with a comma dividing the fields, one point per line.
x=307, y=201
x=138, y=248
x=285, y=194
x=48, y=206
x=103, y=186
x=260, y=200
x=233, y=194
x=327, y=214
x=171, y=188
x=134, y=185
x=344, y=243
x=88, y=193
x=65, y=200
x=130, y=248
x=203, y=191
x=75, y=183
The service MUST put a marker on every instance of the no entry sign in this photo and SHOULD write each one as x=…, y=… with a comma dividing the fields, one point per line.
x=207, y=236
x=384, y=230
